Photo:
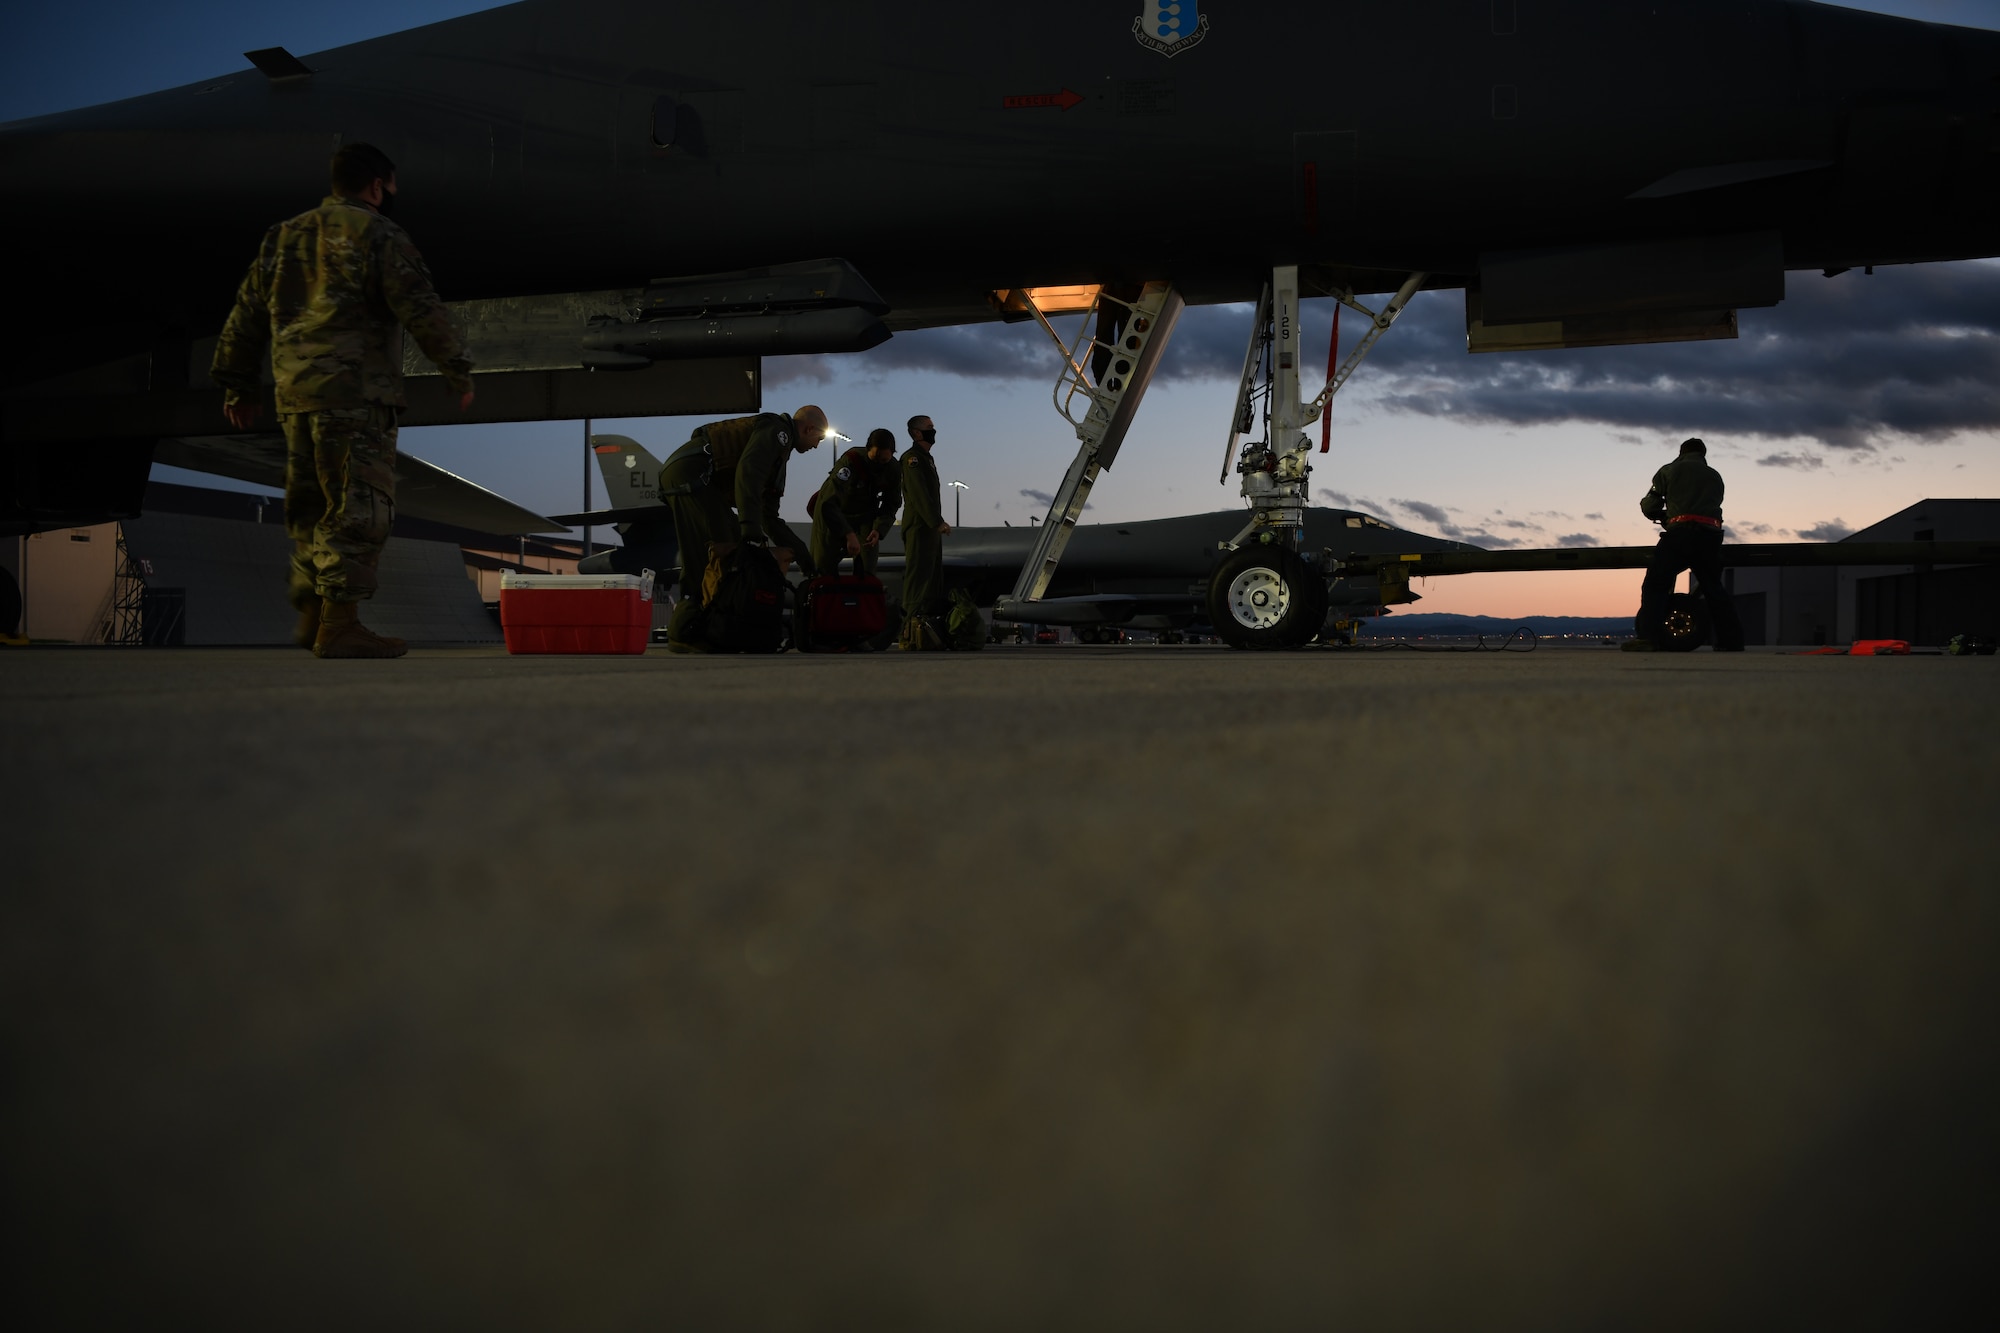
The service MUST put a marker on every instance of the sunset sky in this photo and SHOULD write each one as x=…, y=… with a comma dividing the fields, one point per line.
x=1856, y=397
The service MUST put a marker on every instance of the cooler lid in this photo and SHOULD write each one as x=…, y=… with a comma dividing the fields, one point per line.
x=639, y=583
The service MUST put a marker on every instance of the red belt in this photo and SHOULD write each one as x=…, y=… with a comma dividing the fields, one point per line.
x=1703, y=519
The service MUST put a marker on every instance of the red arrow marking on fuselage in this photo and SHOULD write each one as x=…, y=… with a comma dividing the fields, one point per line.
x=1064, y=99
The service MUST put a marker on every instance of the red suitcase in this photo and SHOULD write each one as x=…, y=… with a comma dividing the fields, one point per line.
x=839, y=612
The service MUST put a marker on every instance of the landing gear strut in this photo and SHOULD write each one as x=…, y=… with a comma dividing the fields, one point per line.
x=1265, y=594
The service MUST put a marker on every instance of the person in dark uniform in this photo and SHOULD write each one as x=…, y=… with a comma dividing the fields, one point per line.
x=924, y=528
x=1686, y=498
x=856, y=505
x=724, y=487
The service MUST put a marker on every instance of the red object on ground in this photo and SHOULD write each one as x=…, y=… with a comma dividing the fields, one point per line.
x=1332, y=363
x=572, y=613
x=1863, y=648
x=839, y=611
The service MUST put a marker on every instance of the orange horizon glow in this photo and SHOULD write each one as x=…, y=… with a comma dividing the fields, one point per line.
x=1549, y=592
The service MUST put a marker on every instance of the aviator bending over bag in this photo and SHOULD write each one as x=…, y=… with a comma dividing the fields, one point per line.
x=723, y=487
x=847, y=612
x=856, y=506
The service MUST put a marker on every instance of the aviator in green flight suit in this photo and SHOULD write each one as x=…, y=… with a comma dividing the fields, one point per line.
x=724, y=486
x=858, y=501
x=924, y=528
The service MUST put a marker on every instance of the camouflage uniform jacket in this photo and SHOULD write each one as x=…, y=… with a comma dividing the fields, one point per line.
x=331, y=291
x=1688, y=485
x=922, y=507
x=749, y=455
x=858, y=496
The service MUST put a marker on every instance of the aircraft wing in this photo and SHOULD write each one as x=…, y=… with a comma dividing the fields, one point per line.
x=623, y=514
x=423, y=490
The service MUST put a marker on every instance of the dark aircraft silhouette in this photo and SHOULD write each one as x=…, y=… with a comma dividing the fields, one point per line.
x=645, y=185
x=1150, y=574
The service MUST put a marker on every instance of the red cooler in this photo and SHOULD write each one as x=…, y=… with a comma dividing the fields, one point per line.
x=576, y=613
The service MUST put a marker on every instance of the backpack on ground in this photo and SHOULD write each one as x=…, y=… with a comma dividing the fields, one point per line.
x=745, y=613
x=965, y=627
x=839, y=613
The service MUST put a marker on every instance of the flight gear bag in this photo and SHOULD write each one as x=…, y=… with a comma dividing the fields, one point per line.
x=966, y=626
x=840, y=612
x=746, y=611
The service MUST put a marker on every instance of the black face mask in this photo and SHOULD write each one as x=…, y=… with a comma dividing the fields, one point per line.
x=927, y=436
x=387, y=208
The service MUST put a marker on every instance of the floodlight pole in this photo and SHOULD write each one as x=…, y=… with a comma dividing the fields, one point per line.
x=958, y=502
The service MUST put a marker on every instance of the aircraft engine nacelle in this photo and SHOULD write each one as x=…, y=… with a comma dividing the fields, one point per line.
x=822, y=305
x=613, y=344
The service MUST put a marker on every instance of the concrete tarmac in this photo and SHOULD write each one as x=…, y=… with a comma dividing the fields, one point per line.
x=1163, y=988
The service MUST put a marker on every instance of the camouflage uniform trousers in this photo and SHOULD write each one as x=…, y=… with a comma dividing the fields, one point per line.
x=340, y=498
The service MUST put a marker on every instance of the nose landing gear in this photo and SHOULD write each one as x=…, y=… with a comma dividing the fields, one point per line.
x=1265, y=594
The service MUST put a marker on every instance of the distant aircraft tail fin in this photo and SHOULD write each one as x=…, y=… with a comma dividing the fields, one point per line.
x=631, y=475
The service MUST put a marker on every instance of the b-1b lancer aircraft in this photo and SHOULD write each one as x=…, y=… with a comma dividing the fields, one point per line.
x=1152, y=574
x=633, y=201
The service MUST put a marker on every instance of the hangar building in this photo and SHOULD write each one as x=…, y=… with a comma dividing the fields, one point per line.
x=1919, y=603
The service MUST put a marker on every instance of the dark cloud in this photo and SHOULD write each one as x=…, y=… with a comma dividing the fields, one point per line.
x=1597, y=517
x=1849, y=361
x=1497, y=530
x=1442, y=520
x=970, y=351
x=1830, y=531
x=1360, y=503
x=1430, y=513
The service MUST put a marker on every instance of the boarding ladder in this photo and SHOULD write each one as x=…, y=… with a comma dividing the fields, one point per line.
x=1103, y=379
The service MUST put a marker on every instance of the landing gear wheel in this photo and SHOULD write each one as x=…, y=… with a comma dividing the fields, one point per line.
x=1266, y=597
x=1685, y=626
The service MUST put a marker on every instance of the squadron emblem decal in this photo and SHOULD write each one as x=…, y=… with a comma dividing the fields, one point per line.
x=1170, y=26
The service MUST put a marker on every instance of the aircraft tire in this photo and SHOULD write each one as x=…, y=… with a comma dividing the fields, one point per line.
x=1687, y=624
x=1266, y=597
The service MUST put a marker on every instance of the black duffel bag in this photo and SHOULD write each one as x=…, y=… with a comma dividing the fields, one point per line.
x=746, y=611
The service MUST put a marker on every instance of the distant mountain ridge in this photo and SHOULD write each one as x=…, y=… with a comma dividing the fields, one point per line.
x=1414, y=623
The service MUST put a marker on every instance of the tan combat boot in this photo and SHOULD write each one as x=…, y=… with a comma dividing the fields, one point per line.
x=306, y=633
x=341, y=634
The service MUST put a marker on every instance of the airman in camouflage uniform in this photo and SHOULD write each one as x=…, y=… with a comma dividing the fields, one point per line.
x=856, y=505
x=331, y=292
x=924, y=528
x=724, y=487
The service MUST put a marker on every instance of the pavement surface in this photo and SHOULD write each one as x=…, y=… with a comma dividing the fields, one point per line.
x=1131, y=987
